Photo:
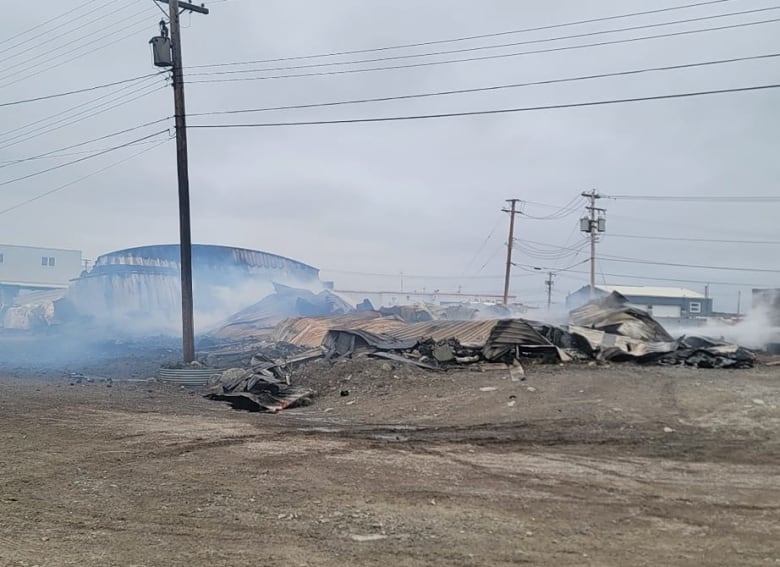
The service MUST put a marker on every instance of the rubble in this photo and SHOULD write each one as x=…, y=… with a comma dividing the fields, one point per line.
x=262, y=318
x=604, y=331
x=264, y=386
x=616, y=331
x=447, y=343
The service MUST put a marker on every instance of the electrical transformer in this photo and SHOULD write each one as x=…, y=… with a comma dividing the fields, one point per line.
x=161, y=51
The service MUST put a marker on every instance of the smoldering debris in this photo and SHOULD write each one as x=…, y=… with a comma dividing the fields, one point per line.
x=606, y=331
x=618, y=332
x=264, y=386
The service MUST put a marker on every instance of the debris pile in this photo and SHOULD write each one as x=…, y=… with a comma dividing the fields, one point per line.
x=441, y=344
x=608, y=330
x=616, y=331
x=261, y=318
x=264, y=386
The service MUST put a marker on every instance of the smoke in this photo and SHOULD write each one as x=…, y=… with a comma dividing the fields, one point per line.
x=755, y=331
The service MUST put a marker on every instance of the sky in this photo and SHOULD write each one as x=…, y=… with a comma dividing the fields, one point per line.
x=368, y=202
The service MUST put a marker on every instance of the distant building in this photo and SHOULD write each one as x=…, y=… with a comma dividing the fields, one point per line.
x=27, y=268
x=142, y=286
x=669, y=303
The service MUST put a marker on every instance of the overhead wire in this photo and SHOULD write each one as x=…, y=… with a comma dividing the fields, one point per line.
x=164, y=13
x=79, y=160
x=418, y=276
x=93, y=140
x=80, y=91
x=80, y=179
x=482, y=246
x=468, y=38
x=608, y=258
x=490, y=88
x=688, y=239
x=52, y=38
x=490, y=258
x=63, y=155
x=471, y=59
x=565, y=211
x=497, y=111
x=61, y=113
x=698, y=198
x=47, y=22
x=87, y=114
x=496, y=46
x=92, y=47
x=677, y=280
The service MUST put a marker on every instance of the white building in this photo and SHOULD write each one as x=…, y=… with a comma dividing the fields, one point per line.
x=671, y=303
x=26, y=268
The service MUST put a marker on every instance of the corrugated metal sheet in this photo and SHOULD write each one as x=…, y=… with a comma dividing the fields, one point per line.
x=345, y=333
x=599, y=340
x=471, y=334
x=614, y=316
x=187, y=376
x=310, y=331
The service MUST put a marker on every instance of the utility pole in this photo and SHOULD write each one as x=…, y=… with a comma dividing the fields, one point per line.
x=185, y=236
x=549, y=283
x=739, y=302
x=593, y=224
x=512, y=212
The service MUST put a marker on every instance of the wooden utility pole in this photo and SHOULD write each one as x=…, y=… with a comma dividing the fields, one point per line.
x=549, y=283
x=512, y=212
x=185, y=237
x=593, y=224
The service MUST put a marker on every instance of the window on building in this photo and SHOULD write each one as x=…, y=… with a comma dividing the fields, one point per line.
x=694, y=307
x=51, y=261
x=45, y=261
x=1, y=258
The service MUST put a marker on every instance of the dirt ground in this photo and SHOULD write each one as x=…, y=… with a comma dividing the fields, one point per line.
x=619, y=466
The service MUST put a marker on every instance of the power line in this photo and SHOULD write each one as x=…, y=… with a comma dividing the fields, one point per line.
x=71, y=183
x=694, y=266
x=560, y=253
x=69, y=163
x=68, y=154
x=497, y=46
x=418, y=276
x=677, y=239
x=93, y=140
x=649, y=278
x=493, y=111
x=479, y=58
x=51, y=38
x=482, y=246
x=91, y=48
x=490, y=259
x=698, y=198
x=567, y=210
x=79, y=91
x=537, y=269
x=465, y=38
x=60, y=113
x=47, y=22
x=164, y=13
x=76, y=119
x=492, y=88
x=90, y=36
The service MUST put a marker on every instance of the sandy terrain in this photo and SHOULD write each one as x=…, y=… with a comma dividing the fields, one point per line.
x=572, y=466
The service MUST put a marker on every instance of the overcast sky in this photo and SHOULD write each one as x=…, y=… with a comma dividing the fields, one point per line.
x=418, y=197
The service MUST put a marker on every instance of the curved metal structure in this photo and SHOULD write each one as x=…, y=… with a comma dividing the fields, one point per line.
x=139, y=288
